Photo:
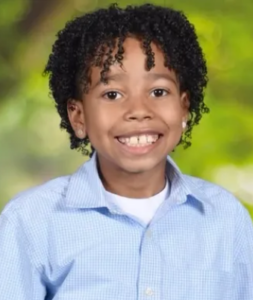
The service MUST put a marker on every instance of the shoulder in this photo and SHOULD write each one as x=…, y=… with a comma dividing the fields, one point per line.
x=210, y=188
x=217, y=196
x=230, y=214
x=37, y=200
x=224, y=205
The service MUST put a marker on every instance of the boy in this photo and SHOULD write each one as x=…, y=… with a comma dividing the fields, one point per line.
x=128, y=224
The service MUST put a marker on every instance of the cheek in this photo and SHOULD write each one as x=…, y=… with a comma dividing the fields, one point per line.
x=99, y=123
x=172, y=115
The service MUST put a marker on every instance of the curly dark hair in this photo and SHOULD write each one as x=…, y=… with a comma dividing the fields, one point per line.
x=90, y=40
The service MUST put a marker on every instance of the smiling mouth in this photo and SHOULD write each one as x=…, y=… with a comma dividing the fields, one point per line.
x=139, y=141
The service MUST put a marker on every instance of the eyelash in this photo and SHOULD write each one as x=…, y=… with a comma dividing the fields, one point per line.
x=161, y=89
x=157, y=89
x=105, y=95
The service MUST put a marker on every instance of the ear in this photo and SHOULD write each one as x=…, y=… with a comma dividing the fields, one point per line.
x=185, y=102
x=76, y=117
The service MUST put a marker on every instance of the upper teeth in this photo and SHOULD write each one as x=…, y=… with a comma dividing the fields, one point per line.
x=140, y=140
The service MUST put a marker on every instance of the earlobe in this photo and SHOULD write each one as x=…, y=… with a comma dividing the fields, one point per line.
x=80, y=133
x=76, y=117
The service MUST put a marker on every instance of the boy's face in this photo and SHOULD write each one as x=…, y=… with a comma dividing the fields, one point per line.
x=135, y=120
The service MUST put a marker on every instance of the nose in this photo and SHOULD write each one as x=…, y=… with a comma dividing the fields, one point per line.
x=138, y=110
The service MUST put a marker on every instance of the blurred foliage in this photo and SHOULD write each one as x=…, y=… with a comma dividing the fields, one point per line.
x=32, y=149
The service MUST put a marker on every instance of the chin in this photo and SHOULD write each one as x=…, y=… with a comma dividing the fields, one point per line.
x=140, y=166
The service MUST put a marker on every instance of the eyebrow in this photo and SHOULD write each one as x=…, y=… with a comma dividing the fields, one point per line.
x=113, y=77
x=150, y=76
x=156, y=76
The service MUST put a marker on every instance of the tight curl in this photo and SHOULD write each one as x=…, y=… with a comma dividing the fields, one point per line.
x=90, y=40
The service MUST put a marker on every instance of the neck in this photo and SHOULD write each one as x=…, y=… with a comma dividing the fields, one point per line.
x=133, y=185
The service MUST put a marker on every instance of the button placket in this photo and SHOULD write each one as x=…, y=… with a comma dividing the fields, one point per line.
x=149, y=233
x=150, y=268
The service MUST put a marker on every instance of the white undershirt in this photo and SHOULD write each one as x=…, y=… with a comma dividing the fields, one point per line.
x=144, y=208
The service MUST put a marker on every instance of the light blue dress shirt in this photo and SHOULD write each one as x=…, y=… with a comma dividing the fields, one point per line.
x=63, y=241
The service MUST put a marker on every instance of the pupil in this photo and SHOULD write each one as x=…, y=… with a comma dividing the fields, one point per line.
x=158, y=93
x=112, y=95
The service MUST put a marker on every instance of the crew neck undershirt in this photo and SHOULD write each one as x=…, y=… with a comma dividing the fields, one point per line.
x=142, y=208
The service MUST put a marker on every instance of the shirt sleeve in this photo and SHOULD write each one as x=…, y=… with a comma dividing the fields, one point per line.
x=19, y=279
x=244, y=256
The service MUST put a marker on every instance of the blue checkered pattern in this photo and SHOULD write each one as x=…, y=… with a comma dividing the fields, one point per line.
x=63, y=241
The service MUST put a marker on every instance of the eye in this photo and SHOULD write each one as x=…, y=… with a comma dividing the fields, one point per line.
x=112, y=95
x=159, y=93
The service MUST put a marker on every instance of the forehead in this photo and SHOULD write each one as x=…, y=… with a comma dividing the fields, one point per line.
x=134, y=48
x=134, y=61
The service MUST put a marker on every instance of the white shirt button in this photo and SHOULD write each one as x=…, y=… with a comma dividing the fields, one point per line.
x=149, y=292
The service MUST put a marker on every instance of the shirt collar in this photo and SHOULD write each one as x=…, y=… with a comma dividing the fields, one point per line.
x=184, y=188
x=85, y=189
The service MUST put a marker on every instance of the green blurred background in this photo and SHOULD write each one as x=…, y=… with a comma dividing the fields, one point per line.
x=32, y=147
